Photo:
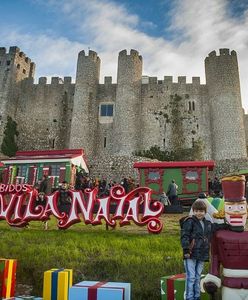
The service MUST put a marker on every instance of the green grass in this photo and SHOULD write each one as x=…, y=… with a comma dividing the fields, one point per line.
x=128, y=254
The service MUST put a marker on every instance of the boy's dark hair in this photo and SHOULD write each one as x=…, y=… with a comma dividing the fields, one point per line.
x=199, y=205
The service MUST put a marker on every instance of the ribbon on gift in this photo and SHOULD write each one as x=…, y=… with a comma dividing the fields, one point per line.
x=8, y=277
x=92, y=291
x=170, y=285
x=55, y=276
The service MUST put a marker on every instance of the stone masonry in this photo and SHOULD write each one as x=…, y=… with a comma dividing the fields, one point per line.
x=133, y=114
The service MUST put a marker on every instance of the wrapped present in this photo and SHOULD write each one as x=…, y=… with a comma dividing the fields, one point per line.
x=7, y=277
x=96, y=290
x=56, y=284
x=173, y=288
x=27, y=298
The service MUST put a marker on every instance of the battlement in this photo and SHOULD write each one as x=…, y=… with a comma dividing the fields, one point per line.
x=168, y=80
x=91, y=54
x=12, y=51
x=182, y=79
x=55, y=80
x=222, y=52
x=133, y=53
x=2, y=51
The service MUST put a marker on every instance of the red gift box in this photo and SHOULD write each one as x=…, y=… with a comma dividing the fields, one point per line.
x=7, y=277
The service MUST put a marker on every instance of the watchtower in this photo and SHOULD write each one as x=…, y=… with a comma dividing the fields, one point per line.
x=15, y=66
x=128, y=97
x=222, y=80
x=85, y=112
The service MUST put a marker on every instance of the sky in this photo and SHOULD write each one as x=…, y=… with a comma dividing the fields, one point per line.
x=173, y=36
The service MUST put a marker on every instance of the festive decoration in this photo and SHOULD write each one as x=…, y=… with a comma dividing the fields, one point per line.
x=191, y=177
x=7, y=277
x=217, y=203
x=230, y=247
x=173, y=287
x=136, y=204
x=96, y=290
x=26, y=298
x=56, y=284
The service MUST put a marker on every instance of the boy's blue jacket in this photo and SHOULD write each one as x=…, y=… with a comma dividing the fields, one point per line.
x=194, y=240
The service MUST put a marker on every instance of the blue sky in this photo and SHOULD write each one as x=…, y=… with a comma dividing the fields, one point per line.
x=173, y=36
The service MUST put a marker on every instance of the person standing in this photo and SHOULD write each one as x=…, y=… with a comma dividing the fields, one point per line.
x=64, y=198
x=43, y=187
x=172, y=192
x=196, y=233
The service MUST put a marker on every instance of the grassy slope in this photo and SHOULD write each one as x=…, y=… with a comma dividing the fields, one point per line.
x=127, y=254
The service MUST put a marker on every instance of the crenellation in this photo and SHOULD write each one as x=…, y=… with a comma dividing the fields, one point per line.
x=212, y=53
x=143, y=107
x=123, y=53
x=32, y=69
x=2, y=51
x=153, y=80
x=224, y=51
x=27, y=60
x=133, y=54
x=55, y=80
x=93, y=55
x=42, y=80
x=196, y=80
x=67, y=80
x=81, y=53
x=14, y=50
x=182, y=79
x=168, y=79
x=22, y=54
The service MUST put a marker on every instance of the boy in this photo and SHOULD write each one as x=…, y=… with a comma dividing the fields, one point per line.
x=196, y=233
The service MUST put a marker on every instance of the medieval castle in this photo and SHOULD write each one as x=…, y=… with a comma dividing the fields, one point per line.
x=133, y=114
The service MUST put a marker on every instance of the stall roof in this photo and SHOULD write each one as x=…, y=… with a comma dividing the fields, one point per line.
x=37, y=154
x=175, y=164
x=76, y=156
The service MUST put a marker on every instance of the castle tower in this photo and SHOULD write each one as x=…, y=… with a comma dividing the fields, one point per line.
x=14, y=68
x=127, y=109
x=222, y=80
x=85, y=109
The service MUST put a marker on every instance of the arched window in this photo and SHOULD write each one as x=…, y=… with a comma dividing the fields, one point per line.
x=193, y=105
x=189, y=106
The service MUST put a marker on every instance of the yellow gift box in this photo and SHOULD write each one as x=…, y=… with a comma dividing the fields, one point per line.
x=56, y=284
x=7, y=277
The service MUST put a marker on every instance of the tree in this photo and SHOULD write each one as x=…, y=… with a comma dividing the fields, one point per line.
x=9, y=146
x=180, y=154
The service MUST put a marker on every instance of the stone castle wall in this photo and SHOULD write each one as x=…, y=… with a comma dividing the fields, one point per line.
x=115, y=167
x=147, y=111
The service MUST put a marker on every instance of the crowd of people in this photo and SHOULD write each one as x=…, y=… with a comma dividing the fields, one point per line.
x=214, y=187
x=82, y=182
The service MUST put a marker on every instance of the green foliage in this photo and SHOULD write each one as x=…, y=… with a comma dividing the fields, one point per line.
x=128, y=254
x=179, y=154
x=9, y=146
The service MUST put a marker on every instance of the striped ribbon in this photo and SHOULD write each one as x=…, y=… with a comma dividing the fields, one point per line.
x=55, y=276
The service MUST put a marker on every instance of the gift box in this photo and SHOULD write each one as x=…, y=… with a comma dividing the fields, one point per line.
x=56, y=284
x=27, y=298
x=96, y=290
x=7, y=277
x=173, y=288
